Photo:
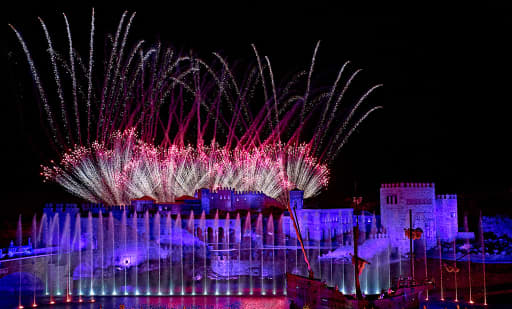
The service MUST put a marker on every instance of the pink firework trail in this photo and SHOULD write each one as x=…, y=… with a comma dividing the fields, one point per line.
x=154, y=122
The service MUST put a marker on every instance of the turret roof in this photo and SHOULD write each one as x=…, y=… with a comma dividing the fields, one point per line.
x=144, y=198
x=185, y=197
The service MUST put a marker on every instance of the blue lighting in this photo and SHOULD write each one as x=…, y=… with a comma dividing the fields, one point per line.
x=224, y=268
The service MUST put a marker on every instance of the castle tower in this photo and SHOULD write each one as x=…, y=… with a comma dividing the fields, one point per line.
x=396, y=199
x=446, y=209
x=296, y=199
x=204, y=196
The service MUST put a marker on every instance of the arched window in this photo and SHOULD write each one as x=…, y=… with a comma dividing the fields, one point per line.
x=220, y=235
x=210, y=235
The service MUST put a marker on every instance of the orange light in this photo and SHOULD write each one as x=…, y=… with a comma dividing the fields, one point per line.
x=34, y=305
x=93, y=300
x=52, y=302
x=20, y=307
x=80, y=300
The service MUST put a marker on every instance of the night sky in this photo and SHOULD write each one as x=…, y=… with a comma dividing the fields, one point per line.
x=446, y=95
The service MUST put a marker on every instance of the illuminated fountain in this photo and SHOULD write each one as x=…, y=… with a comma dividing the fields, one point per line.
x=95, y=250
x=482, y=248
x=468, y=254
x=440, y=249
x=135, y=253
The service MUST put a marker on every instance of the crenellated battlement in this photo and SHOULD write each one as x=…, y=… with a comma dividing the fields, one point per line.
x=72, y=209
x=226, y=190
x=408, y=185
x=50, y=208
x=248, y=192
x=228, y=199
x=446, y=196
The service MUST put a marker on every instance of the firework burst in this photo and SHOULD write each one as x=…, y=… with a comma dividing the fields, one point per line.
x=164, y=124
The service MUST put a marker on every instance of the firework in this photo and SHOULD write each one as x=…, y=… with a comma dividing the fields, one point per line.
x=164, y=124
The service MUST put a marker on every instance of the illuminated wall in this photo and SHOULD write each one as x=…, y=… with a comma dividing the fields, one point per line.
x=435, y=215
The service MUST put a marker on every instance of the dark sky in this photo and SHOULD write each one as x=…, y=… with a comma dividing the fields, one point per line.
x=446, y=75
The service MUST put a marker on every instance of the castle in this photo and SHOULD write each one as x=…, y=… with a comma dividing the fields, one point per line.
x=224, y=234
x=223, y=199
x=435, y=214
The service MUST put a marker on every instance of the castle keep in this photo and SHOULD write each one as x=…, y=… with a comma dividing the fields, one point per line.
x=435, y=214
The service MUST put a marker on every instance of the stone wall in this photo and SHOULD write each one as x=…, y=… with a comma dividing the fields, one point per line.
x=435, y=215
